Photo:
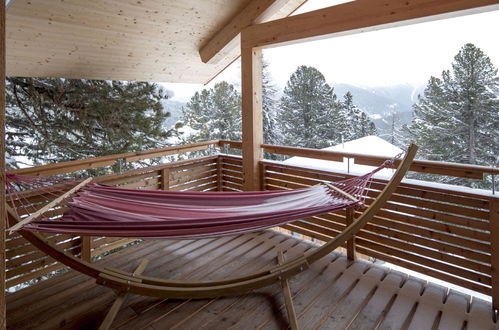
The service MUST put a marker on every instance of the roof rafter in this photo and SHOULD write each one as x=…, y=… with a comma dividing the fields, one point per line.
x=358, y=16
x=226, y=42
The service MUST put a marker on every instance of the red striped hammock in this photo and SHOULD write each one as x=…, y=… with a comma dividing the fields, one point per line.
x=100, y=210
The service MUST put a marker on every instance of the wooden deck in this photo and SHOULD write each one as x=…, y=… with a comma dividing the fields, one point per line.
x=332, y=294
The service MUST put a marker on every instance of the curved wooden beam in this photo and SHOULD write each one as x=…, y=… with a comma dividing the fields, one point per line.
x=160, y=288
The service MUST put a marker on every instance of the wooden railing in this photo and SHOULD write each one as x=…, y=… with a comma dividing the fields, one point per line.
x=25, y=262
x=444, y=232
x=90, y=163
x=421, y=166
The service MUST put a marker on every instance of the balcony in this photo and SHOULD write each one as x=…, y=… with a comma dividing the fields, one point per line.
x=439, y=231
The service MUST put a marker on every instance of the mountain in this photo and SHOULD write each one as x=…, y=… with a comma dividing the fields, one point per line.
x=383, y=104
x=175, y=110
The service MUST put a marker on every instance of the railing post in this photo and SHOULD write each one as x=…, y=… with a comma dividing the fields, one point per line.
x=494, y=254
x=86, y=248
x=219, y=174
x=350, y=216
x=165, y=179
x=262, y=176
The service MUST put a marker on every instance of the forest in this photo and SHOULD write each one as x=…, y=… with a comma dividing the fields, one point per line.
x=455, y=118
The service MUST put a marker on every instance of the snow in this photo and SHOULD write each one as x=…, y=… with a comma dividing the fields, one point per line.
x=368, y=145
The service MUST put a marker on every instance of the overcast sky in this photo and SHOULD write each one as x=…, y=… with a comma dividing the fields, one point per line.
x=403, y=55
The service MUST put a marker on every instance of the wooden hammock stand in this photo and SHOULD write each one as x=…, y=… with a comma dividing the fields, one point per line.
x=136, y=283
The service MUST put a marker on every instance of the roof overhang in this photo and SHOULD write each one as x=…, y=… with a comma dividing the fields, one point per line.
x=145, y=40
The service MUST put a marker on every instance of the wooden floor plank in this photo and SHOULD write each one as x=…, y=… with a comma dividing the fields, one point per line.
x=253, y=299
x=245, y=306
x=454, y=311
x=406, y=299
x=171, y=268
x=429, y=307
x=327, y=300
x=161, y=312
x=62, y=289
x=372, y=313
x=345, y=312
x=333, y=293
x=304, y=287
x=479, y=316
x=47, y=288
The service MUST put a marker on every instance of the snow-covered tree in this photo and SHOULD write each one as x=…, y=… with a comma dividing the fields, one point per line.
x=457, y=118
x=354, y=123
x=308, y=111
x=53, y=120
x=396, y=133
x=269, y=105
x=214, y=113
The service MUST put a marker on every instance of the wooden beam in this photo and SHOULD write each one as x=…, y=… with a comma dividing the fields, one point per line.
x=251, y=67
x=3, y=322
x=357, y=16
x=226, y=42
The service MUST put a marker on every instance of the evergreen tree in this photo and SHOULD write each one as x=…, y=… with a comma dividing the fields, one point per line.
x=269, y=105
x=395, y=134
x=354, y=123
x=53, y=120
x=457, y=117
x=308, y=111
x=214, y=113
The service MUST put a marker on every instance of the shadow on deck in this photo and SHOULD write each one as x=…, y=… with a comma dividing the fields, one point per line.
x=332, y=294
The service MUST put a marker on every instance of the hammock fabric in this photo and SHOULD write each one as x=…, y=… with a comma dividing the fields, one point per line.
x=100, y=210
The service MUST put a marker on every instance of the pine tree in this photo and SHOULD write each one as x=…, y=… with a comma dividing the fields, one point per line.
x=269, y=105
x=396, y=131
x=457, y=117
x=53, y=120
x=308, y=111
x=354, y=123
x=214, y=113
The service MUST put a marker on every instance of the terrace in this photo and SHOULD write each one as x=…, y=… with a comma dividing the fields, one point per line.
x=440, y=231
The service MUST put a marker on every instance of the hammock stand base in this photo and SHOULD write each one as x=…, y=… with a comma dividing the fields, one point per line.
x=160, y=288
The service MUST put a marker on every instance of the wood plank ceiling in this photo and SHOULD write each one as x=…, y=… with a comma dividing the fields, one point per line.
x=145, y=40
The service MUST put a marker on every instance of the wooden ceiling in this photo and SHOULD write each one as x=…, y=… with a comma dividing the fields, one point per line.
x=146, y=40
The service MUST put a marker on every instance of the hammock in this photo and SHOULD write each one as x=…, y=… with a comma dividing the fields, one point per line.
x=99, y=210
x=162, y=288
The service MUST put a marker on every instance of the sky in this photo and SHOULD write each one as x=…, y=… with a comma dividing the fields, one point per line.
x=400, y=55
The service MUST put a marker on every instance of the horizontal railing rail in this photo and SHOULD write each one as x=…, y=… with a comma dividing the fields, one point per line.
x=96, y=162
x=421, y=166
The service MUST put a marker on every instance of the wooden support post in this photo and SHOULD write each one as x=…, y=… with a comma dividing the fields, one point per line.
x=115, y=308
x=86, y=248
x=165, y=179
x=288, y=300
x=3, y=322
x=494, y=237
x=251, y=68
x=350, y=217
x=219, y=174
